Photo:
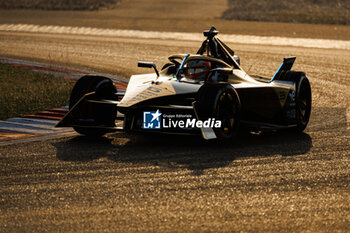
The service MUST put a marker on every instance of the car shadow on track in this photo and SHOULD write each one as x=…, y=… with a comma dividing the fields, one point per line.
x=174, y=151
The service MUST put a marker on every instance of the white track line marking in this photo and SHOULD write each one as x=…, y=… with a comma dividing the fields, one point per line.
x=243, y=39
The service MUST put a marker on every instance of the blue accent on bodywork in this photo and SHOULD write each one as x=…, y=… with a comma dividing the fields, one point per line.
x=286, y=65
x=180, y=67
x=276, y=72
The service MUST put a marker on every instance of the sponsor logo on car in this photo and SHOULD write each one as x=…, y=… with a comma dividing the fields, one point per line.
x=152, y=120
x=157, y=120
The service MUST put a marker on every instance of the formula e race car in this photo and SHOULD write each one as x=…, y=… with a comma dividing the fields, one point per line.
x=207, y=93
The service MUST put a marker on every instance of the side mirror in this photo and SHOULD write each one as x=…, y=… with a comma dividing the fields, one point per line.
x=237, y=59
x=148, y=65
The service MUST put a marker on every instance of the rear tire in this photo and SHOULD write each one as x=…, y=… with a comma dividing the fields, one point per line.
x=303, y=98
x=220, y=101
x=102, y=114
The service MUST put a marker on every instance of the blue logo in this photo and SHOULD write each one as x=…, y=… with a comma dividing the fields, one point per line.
x=151, y=120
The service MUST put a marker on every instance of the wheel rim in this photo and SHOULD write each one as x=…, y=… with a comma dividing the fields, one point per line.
x=226, y=112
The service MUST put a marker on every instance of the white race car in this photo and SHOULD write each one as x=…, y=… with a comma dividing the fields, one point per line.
x=207, y=93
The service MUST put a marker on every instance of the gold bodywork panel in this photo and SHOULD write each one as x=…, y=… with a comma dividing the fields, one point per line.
x=282, y=93
x=282, y=90
x=146, y=91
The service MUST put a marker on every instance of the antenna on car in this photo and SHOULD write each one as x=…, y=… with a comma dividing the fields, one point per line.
x=214, y=47
x=210, y=33
x=210, y=44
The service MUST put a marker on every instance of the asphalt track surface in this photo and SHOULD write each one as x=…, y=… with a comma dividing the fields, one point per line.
x=125, y=182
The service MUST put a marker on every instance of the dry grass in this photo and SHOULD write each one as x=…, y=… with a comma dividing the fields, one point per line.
x=298, y=11
x=58, y=4
x=26, y=92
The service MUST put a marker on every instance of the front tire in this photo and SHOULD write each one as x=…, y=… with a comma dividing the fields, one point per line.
x=100, y=114
x=220, y=101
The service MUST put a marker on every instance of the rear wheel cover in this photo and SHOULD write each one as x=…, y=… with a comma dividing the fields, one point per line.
x=303, y=103
x=303, y=98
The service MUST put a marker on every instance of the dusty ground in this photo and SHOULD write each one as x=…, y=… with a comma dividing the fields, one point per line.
x=174, y=15
x=125, y=182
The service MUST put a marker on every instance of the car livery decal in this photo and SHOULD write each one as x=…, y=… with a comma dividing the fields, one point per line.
x=147, y=91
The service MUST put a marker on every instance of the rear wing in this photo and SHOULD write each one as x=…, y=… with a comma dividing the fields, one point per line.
x=284, y=67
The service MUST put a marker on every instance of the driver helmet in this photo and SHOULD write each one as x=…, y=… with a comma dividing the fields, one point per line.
x=197, y=69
